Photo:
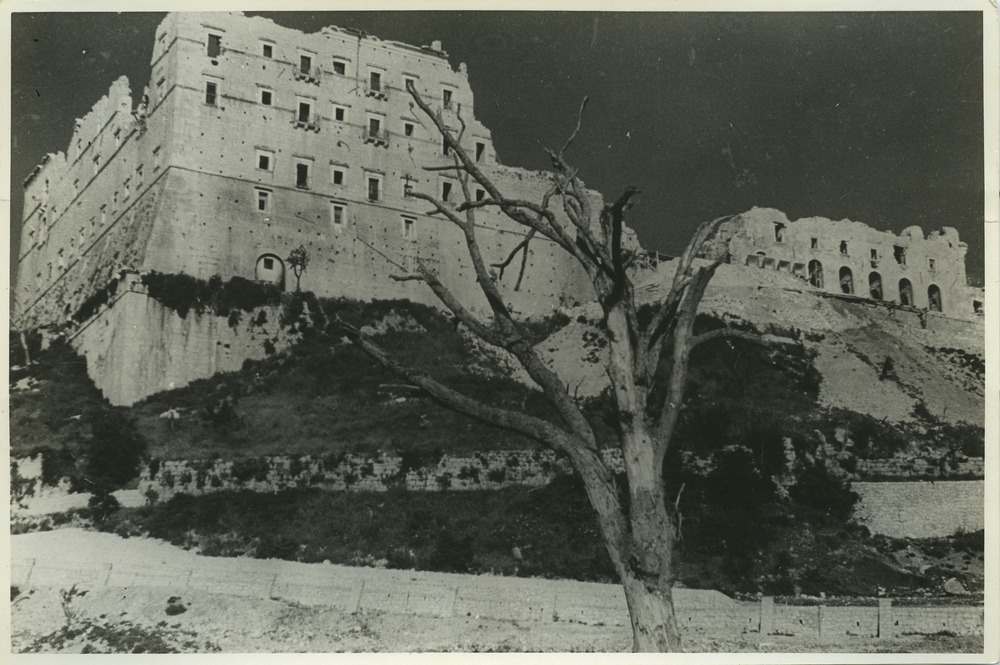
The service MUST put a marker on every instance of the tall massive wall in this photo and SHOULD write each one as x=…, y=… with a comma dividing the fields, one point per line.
x=136, y=347
x=89, y=212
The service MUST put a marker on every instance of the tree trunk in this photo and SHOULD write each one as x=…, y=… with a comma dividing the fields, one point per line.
x=24, y=345
x=651, y=611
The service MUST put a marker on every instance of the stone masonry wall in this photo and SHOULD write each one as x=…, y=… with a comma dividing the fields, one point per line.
x=136, y=347
x=925, y=509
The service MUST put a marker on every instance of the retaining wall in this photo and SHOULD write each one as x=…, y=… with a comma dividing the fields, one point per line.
x=923, y=509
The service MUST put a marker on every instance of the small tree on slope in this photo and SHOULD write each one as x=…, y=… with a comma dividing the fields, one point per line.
x=647, y=364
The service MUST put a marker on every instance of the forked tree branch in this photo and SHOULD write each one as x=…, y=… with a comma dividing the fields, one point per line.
x=534, y=428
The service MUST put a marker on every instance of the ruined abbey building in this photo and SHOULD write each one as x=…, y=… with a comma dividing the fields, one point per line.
x=252, y=140
x=912, y=269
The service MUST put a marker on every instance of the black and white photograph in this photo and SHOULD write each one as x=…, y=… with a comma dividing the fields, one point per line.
x=582, y=329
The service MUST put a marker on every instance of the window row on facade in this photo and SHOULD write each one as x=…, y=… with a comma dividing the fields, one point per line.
x=339, y=177
x=307, y=66
x=813, y=273
x=874, y=256
x=48, y=216
x=338, y=211
x=375, y=128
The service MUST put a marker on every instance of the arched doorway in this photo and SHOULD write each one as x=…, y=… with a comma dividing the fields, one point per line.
x=270, y=269
x=846, y=280
x=934, y=298
x=875, y=285
x=905, y=292
x=816, y=274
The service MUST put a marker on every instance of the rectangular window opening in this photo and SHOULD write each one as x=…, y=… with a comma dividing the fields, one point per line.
x=480, y=151
x=339, y=67
x=338, y=177
x=375, y=81
x=408, y=128
x=339, y=113
x=211, y=93
x=480, y=194
x=263, y=200
x=374, y=187
x=214, y=45
x=305, y=64
x=445, y=191
x=305, y=110
x=267, y=51
x=843, y=247
x=337, y=213
x=899, y=253
x=265, y=97
x=409, y=228
x=446, y=96
x=374, y=125
x=302, y=175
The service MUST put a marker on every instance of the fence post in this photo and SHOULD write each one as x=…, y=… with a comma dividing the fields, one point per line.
x=107, y=576
x=766, y=615
x=454, y=603
x=270, y=590
x=357, y=601
x=27, y=578
x=884, y=618
x=819, y=620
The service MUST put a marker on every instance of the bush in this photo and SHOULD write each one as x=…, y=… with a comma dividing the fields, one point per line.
x=102, y=506
x=819, y=490
x=450, y=554
x=113, y=452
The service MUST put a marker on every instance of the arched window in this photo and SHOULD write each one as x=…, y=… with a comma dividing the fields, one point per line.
x=270, y=269
x=816, y=274
x=846, y=280
x=934, y=298
x=905, y=292
x=875, y=285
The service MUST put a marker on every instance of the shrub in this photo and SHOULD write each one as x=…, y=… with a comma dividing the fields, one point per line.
x=102, y=506
x=819, y=490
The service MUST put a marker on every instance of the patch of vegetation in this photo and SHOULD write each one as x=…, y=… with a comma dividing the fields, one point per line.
x=184, y=293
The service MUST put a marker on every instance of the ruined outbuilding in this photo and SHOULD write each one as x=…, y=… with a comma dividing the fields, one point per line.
x=849, y=258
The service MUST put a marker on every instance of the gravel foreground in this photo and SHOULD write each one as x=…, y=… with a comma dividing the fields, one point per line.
x=186, y=620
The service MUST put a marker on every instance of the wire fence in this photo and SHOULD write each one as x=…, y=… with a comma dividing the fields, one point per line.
x=502, y=598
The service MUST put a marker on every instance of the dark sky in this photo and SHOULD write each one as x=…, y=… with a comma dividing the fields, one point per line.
x=876, y=117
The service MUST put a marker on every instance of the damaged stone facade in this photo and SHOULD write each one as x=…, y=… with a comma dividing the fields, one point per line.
x=849, y=258
x=253, y=139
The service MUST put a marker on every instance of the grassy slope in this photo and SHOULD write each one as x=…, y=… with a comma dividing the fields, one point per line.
x=325, y=397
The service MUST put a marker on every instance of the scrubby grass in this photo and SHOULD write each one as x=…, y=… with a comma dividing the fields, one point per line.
x=791, y=549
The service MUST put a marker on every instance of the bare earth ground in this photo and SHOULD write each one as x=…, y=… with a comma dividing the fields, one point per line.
x=228, y=623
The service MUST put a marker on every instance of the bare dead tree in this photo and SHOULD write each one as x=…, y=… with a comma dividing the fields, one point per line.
x=647, y=363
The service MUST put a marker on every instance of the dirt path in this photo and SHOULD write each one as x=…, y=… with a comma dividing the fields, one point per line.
x=197, y=620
